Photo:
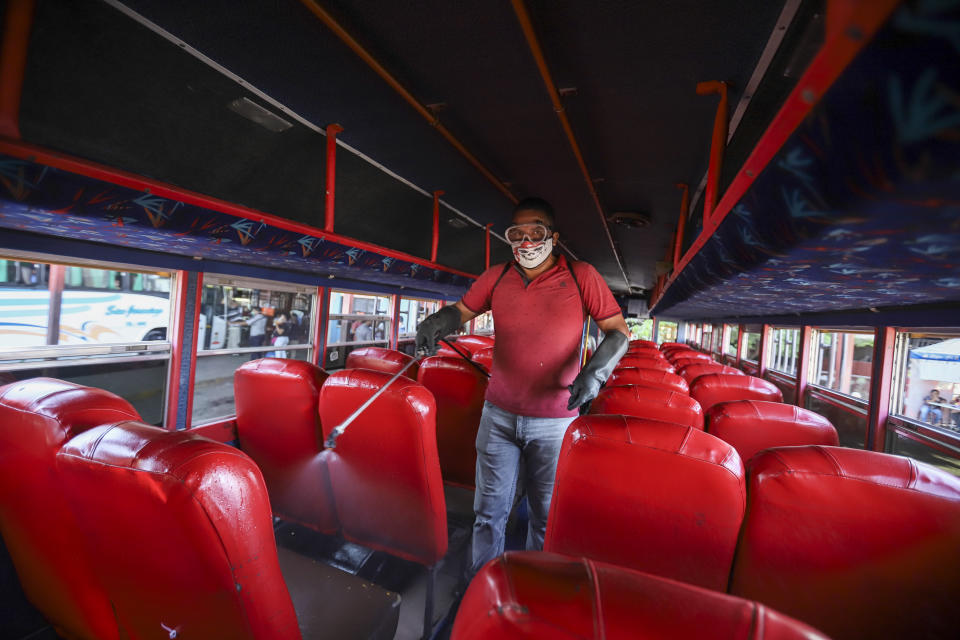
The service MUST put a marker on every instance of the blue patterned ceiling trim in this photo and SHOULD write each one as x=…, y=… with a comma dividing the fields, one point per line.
x=860, y=208
x=45, y=200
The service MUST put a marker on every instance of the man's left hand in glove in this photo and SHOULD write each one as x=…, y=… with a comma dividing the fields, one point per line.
x=587, y=384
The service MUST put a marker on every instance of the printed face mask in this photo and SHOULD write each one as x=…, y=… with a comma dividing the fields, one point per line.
x=531, y=255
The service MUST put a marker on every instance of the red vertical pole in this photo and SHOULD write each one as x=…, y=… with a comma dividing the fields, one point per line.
x=175, y=335
x=762, y=358
x=435, y=243
x=741, y=334
x=803, y=363
x=681, y=225
x=319, y=326
x=717, y=144
x=55, y=277
x=198, y=302
x=395, y=323
x=881, y=377
x=13, y=62
x=486, y=252
x=332, y=131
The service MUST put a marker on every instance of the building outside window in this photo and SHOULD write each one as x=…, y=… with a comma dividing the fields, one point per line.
x=842, y=361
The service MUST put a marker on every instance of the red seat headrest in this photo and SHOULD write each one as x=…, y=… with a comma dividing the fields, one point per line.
x=475, y=342
x=380, y=359
x=649, y=402
x=179, y=530
x=648, y=495
x=38, y=525
x=527, y=594
x=484, y=357
x=723, y=387
x=385, y=472
x=753, y=425
x=648, y=378
x=694, y=370
x=630, y=360
x=858, y=543
x=279, y=427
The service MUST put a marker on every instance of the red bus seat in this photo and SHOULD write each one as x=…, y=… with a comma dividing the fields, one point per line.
x=385, y=472
x=523, y=595
x=649, y=402
x=683, y=359
x=694, y=370
x=724, y=387
x=475, y=342
x=39, y=528
x=675, y=345
x=279, y=427
x=484, y=357
x=630, y=360
x=459, y=390
x=857, y=543
x=647, y=495
x=179, y=531
x=753, y=425
x=380, y=359
x=648, y=378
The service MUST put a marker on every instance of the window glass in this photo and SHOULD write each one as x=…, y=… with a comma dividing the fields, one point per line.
x=751, y=346
x=706, y=341
x=784, y=350
x=733, y=337
x=412, y=313
x=483, y=323
x=842, y=361
x=356, y=320
x=927, y=379
x=241, y=321
x=666, y=332
x=640, y=329
x=938, y=454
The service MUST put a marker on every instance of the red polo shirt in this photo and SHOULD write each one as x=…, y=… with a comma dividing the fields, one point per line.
x=539, y=326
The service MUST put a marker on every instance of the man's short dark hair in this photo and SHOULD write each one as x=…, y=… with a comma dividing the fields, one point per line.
x=536, y=204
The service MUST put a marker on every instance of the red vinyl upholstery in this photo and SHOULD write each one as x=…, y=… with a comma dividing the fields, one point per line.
x=692, y=371
x=484, y=357
x=39, y=528
x=648, y=378
x=278, y=426
x=648, y=495
x=857, y=543
x=524, y=595
x=630, y=360
x=724, y=387
x=179, y=531
x=683, y=359
x=385, y=471
x=459, y=390
x=753, y=425
x=675, y=345
x=475, y=342
x=649, y=402
x=643, y=343
x=380, y=359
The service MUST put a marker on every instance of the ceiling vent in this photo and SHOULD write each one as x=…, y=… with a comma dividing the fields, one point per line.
x=457, y=223
x=630, y=219
x=252, y=111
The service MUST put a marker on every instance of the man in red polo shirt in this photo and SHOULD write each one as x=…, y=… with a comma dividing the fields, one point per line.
x=540, y=302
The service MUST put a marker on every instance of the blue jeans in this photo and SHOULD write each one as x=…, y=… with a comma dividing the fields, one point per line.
x=502, y=439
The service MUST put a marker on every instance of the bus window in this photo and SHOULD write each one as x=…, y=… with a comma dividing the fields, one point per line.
x=483, y=323
x=784, y=350
x=842, y=362
x=412, y=313
x=666, y=332
x=640, y=329
x=751, y=344
x=243, y=320
x=928, y=380
x=356, y=319
x=706, y=337
x=733, y=336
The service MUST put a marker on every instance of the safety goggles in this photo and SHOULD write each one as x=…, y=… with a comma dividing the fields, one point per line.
x=531, y=232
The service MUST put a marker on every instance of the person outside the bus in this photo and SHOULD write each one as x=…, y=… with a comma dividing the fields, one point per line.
x=258, y=330
x=931, y=410
x=540, y=302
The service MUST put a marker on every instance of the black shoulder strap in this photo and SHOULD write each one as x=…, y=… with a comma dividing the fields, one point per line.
x=583, y=303
x=506, y=268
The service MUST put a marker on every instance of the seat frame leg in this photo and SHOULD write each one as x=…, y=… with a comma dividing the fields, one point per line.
x=428, y=603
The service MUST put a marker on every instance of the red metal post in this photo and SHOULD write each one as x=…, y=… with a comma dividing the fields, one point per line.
x=881, y=377
x=395, y=324
x=681, y=225
x=762, y=358
x=435, y=243
x=175, y=335
x=198, y=301
x=486, y=251
x=803, y=363
x=55, y=278
x=741, y=334
x=717, y=144
x=319, y=325
x=332, y=131
x=13, y=62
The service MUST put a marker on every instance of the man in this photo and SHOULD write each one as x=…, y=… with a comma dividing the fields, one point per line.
x=539, y=302
x=258, y=330
x=931, y=410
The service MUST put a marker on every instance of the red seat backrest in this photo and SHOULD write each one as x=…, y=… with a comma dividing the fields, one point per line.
x=459, y=390
x=279, y=427
x=648, y=495
x=630, y=360
x=484, y=357
x=39, y=528
x=694, y=370
x=675, y=345
x=380, y=359
x=475, y=342
x=643, y=343
x=692, y=357
x=753, y=425
x=857, y=543
x=648, y=378
x=179, y=530
x=724, y=387
x=385, y=472
x=649, y=352
x=527, y=594
x=649, y=402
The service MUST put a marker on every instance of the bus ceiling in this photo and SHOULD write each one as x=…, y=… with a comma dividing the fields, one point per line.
x=818, y=151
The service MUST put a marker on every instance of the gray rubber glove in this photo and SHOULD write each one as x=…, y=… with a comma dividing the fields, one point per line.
x=587, y=384
x=436, y=326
